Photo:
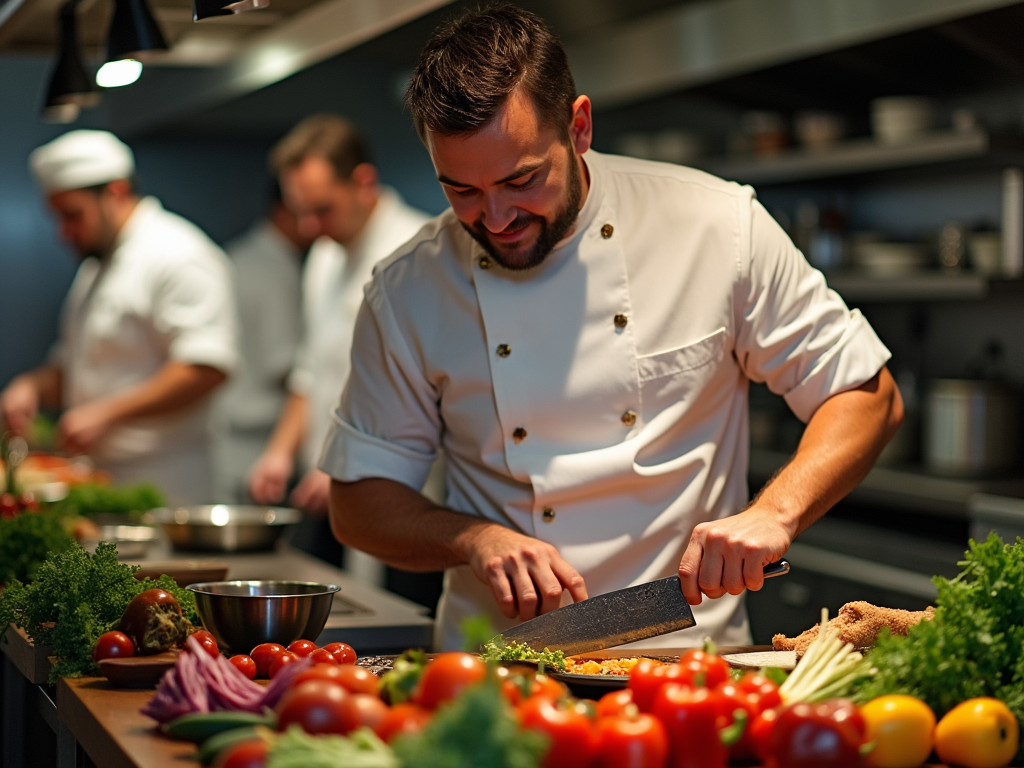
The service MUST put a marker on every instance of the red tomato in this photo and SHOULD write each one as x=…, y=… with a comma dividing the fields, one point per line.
x=402, y=719
x=323, y=656
x=766, y=690
x=207, y=641
x=245, y=665
x=573, y=743
x=808, y=735
x=356, y=679
x=329, y=672
x=361, y=709
x=113, y=645
x=734, y=698
x=519, y=687
x=690, y=716
x=9, y=506
x=247, y=754
x=264, y=655
x=446, y=677
x=760, y=732
x=342, y=652
x=316, y=706
x=715, y=668
x=639, y=742
x=614, y=703
x=302, y=648
x=648, y=677
x=281, y=661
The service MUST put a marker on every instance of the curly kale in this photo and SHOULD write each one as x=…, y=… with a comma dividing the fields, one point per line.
x=76, y=597
x=26, y=539
x=973, y=647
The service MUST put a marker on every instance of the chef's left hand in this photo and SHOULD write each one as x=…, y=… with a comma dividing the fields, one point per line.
x=313, y=493
x=729, y=555
x=81, y=427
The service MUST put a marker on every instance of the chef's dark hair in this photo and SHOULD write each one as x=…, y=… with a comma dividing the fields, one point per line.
x=331, y=137
x=473, y=63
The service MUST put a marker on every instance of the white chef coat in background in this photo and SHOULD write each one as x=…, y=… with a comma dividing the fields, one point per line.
x=163, y=294
x=267, y=283
x=599, y=401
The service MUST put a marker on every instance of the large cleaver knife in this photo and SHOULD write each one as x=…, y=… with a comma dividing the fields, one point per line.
x=623, y=616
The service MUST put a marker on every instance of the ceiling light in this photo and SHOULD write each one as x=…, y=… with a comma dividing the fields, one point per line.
x=134, y=32
x=202, y=9
x=70, y=87
x=115, y=74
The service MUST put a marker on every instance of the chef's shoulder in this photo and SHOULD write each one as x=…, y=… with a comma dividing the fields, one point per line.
x=437, y=256
x=170, y=246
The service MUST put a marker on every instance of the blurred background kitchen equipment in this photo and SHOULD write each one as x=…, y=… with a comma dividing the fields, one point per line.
x=952, y=247
x=132, y=541
x=969, y=428
x=879, y=258
x=985, y=252
x=818, y=130
x=243, y=614
x=184, y=572
x=224, y=527
x=1013, y=222
x=899, y=119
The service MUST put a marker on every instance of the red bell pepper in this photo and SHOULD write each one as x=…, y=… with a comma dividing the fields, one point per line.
x=693, y=719
x=814, y=735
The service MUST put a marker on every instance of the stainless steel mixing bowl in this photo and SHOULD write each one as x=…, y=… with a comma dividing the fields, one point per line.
x=243, y=614
x=224, y=527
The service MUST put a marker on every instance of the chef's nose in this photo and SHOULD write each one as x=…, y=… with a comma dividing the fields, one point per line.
x=497, y=215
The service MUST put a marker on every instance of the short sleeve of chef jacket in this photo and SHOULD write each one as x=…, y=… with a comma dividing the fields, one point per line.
x=790, y=331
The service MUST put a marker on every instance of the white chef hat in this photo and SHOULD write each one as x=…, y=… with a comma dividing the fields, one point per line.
x=81, y=159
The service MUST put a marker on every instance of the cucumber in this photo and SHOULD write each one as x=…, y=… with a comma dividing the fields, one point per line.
x=197, y=727
x=214, y=745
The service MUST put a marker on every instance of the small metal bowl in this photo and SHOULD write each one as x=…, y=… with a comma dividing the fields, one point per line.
x=243, y=614
x=132, y=541
x=224, y=527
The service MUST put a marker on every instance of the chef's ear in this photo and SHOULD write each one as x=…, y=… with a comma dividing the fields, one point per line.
x=581, y=129
x=364, y=175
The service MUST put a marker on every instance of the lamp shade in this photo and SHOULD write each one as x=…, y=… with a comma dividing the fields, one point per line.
x=70, y=86
x=133, y=31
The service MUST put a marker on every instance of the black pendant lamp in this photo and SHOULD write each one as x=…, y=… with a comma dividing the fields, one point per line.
x=133, y=32
x=71, y=88
x=204, y=9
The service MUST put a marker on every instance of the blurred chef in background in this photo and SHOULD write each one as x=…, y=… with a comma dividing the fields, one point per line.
x=268, y=278
x=327, y=179
x=147, y=329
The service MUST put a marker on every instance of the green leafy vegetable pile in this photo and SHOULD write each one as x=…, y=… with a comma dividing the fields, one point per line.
x=90, y=499
x=25, y=541
x=498, y=650
x=973, y=647
x=76, y=597
x=399, y=683
x=361, y=749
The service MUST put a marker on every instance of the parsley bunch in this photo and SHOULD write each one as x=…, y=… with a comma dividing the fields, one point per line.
x=74, y=598
x=973, y=647
x=26, y=539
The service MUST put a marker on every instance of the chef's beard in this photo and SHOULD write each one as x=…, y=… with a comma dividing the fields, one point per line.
x=550, y=233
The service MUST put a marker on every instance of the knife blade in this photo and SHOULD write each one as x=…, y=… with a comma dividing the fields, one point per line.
x=615, y=618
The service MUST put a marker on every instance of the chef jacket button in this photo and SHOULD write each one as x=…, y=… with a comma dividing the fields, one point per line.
x=606, y=231
x=518, y=434
x=504, y=350
x=620, y=320
x=548, y=514
x=484, y=262
x=629, y=418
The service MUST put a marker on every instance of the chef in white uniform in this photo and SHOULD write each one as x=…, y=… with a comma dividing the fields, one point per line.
x=267, y=263
x=578, y=332
x=327, y=179
x=147, y=330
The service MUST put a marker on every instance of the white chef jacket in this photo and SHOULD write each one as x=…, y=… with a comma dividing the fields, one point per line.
x=332, y=290
x=163, y=294
x=267, y=283
x=599, y=401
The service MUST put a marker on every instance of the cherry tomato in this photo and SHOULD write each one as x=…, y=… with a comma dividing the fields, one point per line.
x=648, y=677
x=9, y=506
x=281, y=661
x=402, y=719
x=315, y=706
x=573, y=742
x=247, y=754
x=615, y=703
x=329, y=672
x=264, y=655
x=245, y=665
x=715, y=668
x=322, y=656
x=342, y=652
x=519, y=687
x=639, y=742
x=768, y=691
x=113, y=645
x=28, y=501
x=302, y=648
x=356, y=679
x=446, y=677
x=361, y=709
x=207, y=641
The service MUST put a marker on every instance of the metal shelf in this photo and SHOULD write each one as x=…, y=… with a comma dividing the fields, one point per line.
x=921, y=286
x=852, y=157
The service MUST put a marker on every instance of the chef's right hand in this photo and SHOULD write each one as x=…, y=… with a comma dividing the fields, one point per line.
x=269, y=476
x=19, y=404
x=526, y=575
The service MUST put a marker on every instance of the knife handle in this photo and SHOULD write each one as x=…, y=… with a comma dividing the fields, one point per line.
x=781, y=568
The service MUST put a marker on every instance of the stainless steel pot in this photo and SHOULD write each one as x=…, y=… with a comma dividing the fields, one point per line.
x=970, y=427
x=224, y=527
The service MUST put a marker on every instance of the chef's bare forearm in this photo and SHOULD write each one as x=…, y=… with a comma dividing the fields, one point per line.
x=400, y=526
x=48, y=383
x=175, y=385
x=291, y=427
x=839, y=446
